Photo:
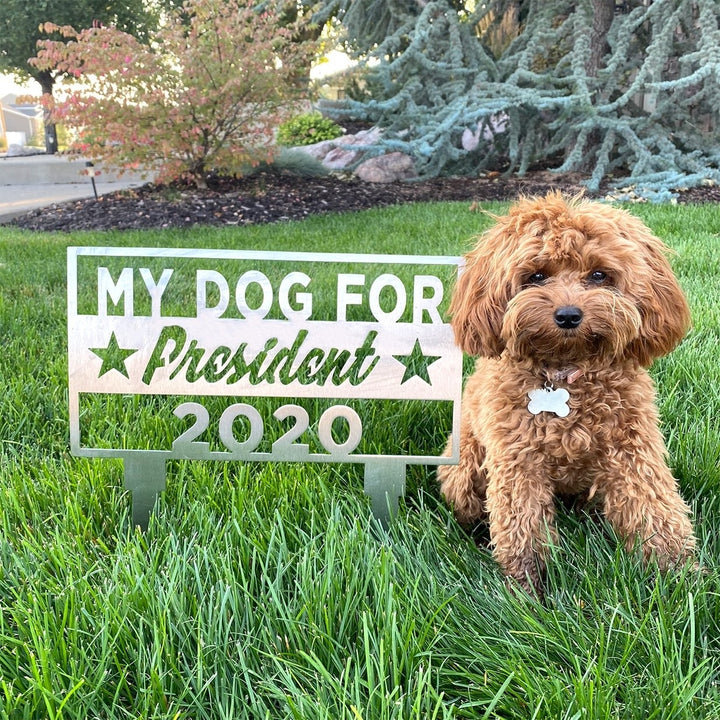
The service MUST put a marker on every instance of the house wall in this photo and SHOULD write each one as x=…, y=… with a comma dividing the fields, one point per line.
x=27, y=120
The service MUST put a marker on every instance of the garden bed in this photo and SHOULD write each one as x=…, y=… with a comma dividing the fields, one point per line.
x=272, y=196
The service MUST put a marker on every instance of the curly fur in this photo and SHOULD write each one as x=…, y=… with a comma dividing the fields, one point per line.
x=548, y=254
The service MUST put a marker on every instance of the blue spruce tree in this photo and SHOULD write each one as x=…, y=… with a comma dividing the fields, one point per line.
x=625, y=92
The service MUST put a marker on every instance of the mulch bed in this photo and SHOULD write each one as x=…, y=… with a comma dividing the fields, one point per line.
x=271, y=197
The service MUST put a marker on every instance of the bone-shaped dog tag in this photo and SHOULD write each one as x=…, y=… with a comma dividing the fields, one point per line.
x=548, y=399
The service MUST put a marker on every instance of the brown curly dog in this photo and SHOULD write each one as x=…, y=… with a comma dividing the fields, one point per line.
x=566, y=302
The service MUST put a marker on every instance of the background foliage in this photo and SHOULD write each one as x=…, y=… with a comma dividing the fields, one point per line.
x=626, y=93
x=22, y=23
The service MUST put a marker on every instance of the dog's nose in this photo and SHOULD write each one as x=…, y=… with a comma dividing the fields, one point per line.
x=568, y=317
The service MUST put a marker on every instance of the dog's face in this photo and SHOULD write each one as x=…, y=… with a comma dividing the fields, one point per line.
x=569, y=281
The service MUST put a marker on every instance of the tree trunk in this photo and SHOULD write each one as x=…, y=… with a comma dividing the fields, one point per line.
x=603, y=14
x=47, y=81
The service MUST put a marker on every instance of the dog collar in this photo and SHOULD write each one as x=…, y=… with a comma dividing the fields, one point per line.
x=567, y=374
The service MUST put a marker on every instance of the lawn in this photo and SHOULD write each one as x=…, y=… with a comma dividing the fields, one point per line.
x=268, y=591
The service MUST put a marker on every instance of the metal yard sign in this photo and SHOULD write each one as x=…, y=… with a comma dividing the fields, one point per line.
x=261, y=356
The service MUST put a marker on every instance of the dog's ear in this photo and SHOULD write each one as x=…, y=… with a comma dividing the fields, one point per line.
x=479, y=299
x=663, y=308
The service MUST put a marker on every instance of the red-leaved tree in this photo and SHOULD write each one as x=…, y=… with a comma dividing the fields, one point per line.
x=205, y=94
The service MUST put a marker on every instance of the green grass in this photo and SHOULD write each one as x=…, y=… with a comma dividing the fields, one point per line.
x=267, y=591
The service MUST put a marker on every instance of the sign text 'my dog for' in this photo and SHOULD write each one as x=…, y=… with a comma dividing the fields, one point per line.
x=256, y=356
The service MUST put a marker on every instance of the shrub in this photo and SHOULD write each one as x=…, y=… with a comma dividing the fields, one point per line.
x=206, y=92
x=307, y=129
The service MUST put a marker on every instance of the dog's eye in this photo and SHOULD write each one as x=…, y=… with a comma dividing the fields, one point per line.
x=598, y=277
x=536, y=278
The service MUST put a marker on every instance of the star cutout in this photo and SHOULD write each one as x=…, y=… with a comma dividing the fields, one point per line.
x=113, y=357
x=416, y=364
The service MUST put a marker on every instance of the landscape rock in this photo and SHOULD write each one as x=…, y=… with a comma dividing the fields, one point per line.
x=339, y=154
x=343, y=153
x=386, y=168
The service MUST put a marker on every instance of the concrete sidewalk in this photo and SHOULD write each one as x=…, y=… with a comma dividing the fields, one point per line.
x=35, y=181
